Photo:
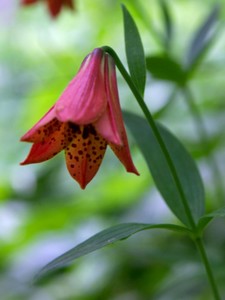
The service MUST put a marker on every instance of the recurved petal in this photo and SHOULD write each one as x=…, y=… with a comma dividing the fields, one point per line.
x=42, y=128
x=110, y=124
x=84, y=99
x=49, y=147
x=114, y=120
x=123, y=154
x=84, y=155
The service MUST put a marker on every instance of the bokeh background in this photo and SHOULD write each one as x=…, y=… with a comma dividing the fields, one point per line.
x=43, y=212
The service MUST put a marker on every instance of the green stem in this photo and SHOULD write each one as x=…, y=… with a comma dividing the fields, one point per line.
x=211, y=279
x=203, y=135
x=155, y=130
x=158, y=137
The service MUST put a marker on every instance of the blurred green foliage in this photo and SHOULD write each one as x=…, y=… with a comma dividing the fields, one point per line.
x=43, y=213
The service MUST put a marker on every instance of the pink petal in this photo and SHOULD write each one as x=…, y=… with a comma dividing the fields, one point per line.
x=106, y=128
x=49, y=147
x=37, y=132
x=84, y=100
x=111, y=125
x=84, y=155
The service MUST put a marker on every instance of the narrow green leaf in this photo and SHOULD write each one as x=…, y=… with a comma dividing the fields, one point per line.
x=202, y=37
x=147, y=18
x=165, y=68
x=186, y=169
x=102, y=239
x=167, y=23
x=134, y=52
x=204, y=220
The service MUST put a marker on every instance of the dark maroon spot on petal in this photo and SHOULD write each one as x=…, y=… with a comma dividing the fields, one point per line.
x=80, y=152
x=94, y=152
x=76, y=158
x=72, y=166
x=85, y=132
x=74, y=127
x=74, y=145
x=70, y=155
x=92, y=130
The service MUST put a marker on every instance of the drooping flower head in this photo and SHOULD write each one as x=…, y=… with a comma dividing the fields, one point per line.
x=54, y=6
x=86, y=118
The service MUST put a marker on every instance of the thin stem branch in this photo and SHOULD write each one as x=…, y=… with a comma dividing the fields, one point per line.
x=155, y=130
x=211, y=279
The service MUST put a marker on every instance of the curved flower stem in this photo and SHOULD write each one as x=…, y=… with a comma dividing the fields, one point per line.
x=211, y=279
x=152, y=124
x=155, y=130
x=203, y=135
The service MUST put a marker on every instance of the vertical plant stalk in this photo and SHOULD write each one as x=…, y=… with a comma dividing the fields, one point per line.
x=198, y=241
x=155, y=130
x=203, y=135
x=211, y=279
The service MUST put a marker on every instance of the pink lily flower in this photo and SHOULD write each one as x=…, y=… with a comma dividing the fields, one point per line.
x=54, y=6
x=86, y=118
